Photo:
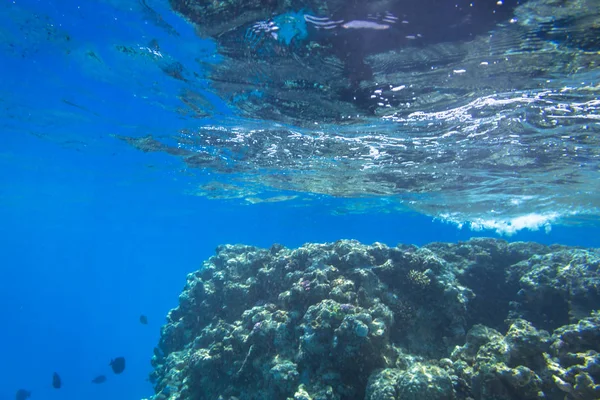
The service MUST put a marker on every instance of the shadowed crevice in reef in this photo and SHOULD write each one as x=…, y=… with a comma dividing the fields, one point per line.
x=343, y=320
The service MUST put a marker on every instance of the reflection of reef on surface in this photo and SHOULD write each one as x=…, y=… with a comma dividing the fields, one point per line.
x=462, y=130
x=278, y=66
x=348, y=321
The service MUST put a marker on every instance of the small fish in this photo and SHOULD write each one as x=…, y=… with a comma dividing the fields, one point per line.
x=143, y=320
x=56, y=382
x=23, y=394
x=118, y=365
x=99, y=379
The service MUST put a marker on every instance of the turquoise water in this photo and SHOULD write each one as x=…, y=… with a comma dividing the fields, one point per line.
x=101, y=224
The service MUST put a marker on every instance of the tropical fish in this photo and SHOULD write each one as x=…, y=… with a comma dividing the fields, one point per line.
x=56, y=381
x=23, y=394
x=99, y=379
x=143, y=319
x=118, y=365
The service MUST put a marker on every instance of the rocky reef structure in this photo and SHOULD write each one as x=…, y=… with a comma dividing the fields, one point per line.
x=483, y=319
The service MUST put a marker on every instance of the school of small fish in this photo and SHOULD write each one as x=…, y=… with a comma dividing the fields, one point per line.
x=116, y=364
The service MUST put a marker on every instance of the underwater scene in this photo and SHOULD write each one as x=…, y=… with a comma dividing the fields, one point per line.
x=300, y=199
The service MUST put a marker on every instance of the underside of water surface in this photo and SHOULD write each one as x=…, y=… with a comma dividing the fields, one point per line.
x=482, y=113
x=485, y=114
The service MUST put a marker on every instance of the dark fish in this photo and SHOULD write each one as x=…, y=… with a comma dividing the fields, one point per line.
x=99, y=379
x=56, y=382
x=143, y=320
x=23, y=394
x=118, y=365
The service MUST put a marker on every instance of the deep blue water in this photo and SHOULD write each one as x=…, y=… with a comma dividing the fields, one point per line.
x=94, y=233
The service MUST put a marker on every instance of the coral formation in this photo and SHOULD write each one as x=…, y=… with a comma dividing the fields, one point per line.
x=483, y=319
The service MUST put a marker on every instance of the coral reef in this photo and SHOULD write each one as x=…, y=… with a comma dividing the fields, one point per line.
x=483, y=319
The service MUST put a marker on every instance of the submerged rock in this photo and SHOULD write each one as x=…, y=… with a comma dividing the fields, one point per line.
x=345, y=320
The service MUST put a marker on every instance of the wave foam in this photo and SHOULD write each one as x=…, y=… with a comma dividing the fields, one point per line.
x=510, y=226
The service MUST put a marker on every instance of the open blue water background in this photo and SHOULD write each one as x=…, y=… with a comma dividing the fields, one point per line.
x=94, y=233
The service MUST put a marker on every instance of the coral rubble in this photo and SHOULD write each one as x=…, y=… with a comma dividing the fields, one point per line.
x=483, y=319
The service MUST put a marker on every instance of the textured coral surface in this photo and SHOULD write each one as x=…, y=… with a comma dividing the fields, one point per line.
x=483, y=319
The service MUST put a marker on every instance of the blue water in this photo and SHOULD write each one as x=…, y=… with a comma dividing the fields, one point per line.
x=94, y=233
